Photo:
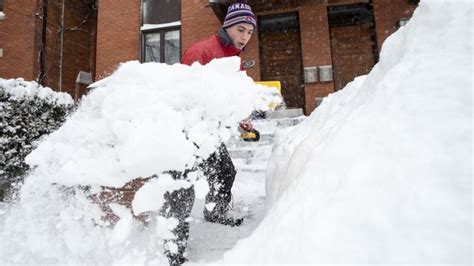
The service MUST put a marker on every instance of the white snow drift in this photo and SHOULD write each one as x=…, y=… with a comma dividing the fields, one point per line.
x=381, y=172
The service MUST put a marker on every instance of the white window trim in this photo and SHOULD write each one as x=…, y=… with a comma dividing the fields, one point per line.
x=160, y=26
x=2, y=15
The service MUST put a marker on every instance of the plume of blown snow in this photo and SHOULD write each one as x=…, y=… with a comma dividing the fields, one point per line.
x=144, y=120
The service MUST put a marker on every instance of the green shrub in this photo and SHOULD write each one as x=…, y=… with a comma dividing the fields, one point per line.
x=27, y=112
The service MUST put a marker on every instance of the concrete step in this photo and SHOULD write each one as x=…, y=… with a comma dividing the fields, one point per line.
x=284, y=113
x=241, y=153
x=249, y=166
x=260, y=155
x=271, y=126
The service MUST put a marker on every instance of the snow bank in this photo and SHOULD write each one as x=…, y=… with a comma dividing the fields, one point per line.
x=382, y=171
x=141, y=121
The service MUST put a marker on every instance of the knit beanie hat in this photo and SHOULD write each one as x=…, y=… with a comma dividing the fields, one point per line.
x=239, y=12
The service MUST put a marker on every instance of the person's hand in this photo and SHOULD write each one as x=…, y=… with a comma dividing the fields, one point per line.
x=246, y=125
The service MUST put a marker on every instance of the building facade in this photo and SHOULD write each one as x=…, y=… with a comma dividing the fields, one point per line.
x=313, y=47
x=52, y=42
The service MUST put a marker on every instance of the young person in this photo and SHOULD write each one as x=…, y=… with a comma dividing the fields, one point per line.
x=236, y=31
x=231, y=39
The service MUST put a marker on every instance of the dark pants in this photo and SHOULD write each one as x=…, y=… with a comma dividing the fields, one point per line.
x=220, y=173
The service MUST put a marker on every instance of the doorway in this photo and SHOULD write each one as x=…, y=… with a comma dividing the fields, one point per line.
x=281, y=56
x=353, y=42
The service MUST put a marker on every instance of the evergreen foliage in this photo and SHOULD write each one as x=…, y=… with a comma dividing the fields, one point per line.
x=27, y=112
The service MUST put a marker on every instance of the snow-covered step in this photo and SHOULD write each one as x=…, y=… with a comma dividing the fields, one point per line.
x=241, y=153
x=265, y=139
x=249, y=165
x=249, y=162
x=284, y=113
x=270, y=126
x=245, y=153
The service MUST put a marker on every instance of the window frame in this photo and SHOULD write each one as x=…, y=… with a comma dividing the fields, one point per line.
x=162, y=32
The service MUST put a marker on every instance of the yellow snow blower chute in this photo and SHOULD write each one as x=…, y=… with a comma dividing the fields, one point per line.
x=274, y=84
x=253, y=134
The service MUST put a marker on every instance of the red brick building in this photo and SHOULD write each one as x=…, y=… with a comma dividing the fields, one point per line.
x=48, y=41
x=314, y=47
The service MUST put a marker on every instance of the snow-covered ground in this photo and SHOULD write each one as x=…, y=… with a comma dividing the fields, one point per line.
x=381, y=173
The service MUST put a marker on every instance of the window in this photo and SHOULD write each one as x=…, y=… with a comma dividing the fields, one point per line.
x=162, y=45
x=1, y=5
x=152, y=47
x=172, y=51
x=161, y=31
x=161, y=11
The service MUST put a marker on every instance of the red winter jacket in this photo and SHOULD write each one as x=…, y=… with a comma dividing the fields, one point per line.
x=216, y=46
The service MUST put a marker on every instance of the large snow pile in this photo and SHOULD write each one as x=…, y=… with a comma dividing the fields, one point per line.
x=27, y=112
x=141, y=121
x=149, y=118
x=382, y=171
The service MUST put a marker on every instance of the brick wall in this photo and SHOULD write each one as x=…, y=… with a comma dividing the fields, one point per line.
x=20, y=40
x=316, y=48
x=387, y=14
x=118, y=34
x=252, y=51
x=197, y=22
x=315, y=35
x=352, y=52
x=17, y=39
x=77, y=48
x=79, y=44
